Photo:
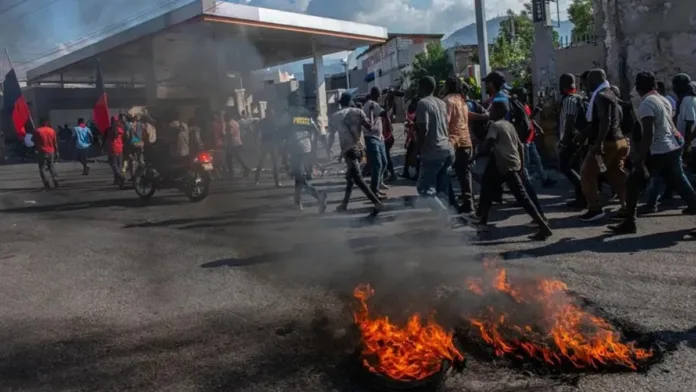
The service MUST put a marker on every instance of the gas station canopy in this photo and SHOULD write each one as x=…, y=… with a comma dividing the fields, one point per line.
x=203, y=37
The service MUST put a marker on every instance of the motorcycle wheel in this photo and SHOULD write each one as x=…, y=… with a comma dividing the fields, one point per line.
x=199, y=186
x=143, y=186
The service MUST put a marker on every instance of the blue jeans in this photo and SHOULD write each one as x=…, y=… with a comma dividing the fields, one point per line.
x=433, y=179
x=532, y=161
x=658, y=186
x=377, y=159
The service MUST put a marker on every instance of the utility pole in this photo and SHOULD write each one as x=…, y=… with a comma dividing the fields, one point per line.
x=543, y=49
x=482, y=32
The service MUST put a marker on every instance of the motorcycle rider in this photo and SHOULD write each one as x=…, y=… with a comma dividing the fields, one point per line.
x=300, y=128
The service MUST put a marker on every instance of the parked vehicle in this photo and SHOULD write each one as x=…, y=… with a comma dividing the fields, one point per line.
x=192, y=179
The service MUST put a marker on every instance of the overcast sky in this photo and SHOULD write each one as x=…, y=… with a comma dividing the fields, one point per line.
x=37, y=30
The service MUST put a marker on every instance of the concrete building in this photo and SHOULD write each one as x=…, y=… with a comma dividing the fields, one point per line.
x=333, y=82
x=163, y=54
x=387, y=63
x=654, y=35
x=464, y=60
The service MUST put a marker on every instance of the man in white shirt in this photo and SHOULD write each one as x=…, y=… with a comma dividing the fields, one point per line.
x=349, y=123
x=659, y=152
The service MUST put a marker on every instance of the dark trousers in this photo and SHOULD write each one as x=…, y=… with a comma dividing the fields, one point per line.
x=82, y=155
x=389, y=143
x=268, y=148
x=234, y=154
x=491, y=188
x=116, y=163
x=354, y=177
x=47, y=163
x=570, y=158
x=462, y=167
x=298, y=163
x=514, y=181
x=669, y=167
x=410, y=153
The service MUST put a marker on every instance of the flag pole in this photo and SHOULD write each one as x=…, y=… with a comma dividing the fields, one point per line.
x=31, y=117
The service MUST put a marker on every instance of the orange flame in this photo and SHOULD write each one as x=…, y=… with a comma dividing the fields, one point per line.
x=410, y=353
x=563, y=333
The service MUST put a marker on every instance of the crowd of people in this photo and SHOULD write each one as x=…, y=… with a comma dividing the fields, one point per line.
x=603, y=139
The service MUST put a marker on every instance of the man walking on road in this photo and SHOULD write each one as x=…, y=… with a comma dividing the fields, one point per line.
x=83, y=142
x=609, y=148
x=571, y=118
x=46, y=144
x=298, y=121
x=436, y=152
x=348, y=124
x=659, y=154
x=503, y=140
x=460, y=137
x=270, y=145
x=374, y=143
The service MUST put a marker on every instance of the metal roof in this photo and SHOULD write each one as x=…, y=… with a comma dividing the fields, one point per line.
x=274, y=37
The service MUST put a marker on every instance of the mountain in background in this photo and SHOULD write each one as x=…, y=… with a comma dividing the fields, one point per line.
x=467, y=34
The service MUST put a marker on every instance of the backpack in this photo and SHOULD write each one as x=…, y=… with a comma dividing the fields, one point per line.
x=477, y=128
x=520, y=120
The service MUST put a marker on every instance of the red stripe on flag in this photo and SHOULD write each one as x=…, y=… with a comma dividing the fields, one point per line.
x=100, y=114
x=20, y=116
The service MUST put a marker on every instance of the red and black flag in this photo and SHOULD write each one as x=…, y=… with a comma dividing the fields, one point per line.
x=14, y=104
x=100, y=113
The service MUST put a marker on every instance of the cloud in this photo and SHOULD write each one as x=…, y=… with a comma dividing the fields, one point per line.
x=404, y=16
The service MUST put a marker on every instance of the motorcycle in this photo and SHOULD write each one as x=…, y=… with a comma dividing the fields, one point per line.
x=193, y=181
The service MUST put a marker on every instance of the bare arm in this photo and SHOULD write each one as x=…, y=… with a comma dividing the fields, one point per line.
x=648, y=134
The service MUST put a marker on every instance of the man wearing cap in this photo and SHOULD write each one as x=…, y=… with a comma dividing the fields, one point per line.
x=495, y=85
x=436, y=152
x=348, y=124
x=301, y=128
x=502, y=139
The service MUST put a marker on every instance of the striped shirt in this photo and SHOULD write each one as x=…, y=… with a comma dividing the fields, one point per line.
x=569, y=107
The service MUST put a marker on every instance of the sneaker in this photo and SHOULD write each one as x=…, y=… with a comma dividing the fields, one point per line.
x=548, y=183
x=392, y=178
x=383, y=186
x=542, y=235
x=577, y=204
x=55, y=183
x=591, y=215
x=376, y=210
x=646, y=209
x=279, y=185
x=299, y=206
x=626, y=227
x=257, y=183
x=47, y=185
x=342, y=208
x=322, y=202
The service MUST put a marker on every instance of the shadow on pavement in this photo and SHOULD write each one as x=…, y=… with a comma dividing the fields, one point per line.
x=213, y=351
x=599, y=244
x=130, y=202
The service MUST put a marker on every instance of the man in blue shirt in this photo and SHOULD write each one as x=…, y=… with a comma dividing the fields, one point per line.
x=83, y=141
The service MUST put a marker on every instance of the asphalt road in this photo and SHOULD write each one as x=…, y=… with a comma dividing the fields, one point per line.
x=241, y=292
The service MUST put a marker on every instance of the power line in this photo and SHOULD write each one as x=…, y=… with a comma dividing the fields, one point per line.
x=96, y=33
x=15, y=5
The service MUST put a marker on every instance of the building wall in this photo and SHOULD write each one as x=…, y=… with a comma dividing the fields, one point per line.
x=388, y=61
x=578, y=59
x=654, y=35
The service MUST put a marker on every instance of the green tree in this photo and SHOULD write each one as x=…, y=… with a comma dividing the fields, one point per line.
x=580, y=14
x=512, y=48
x=434, y=62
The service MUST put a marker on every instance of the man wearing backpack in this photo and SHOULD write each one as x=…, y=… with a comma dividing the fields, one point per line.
x=570, y=123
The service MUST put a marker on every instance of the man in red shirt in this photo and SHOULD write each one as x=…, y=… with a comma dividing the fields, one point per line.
x=46, y=144
x=114, y=147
